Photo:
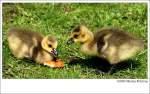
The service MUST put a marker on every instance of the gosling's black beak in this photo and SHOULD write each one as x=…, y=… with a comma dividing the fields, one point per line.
x=70, y=41
x=54, y=52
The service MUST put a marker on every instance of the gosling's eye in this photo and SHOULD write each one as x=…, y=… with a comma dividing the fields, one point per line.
x=50, y=45
x=75, y=36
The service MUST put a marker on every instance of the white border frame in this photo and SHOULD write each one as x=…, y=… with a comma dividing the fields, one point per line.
x=74, y=85
x=74, y=1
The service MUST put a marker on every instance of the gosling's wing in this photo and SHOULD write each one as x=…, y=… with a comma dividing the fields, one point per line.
x=100, y=38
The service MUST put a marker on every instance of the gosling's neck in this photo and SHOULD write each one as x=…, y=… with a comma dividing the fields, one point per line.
x=89, y=47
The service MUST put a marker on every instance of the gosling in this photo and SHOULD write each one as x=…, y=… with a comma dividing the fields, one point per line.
x=114, y=45
x=25, y=43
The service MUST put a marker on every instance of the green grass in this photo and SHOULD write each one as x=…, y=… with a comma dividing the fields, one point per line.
x=58, y=19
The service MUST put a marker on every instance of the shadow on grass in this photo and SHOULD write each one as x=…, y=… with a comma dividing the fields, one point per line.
x=102, y=66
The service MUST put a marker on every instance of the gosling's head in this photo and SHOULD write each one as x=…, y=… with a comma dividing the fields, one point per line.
x=80, y=34
x=49, y=43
